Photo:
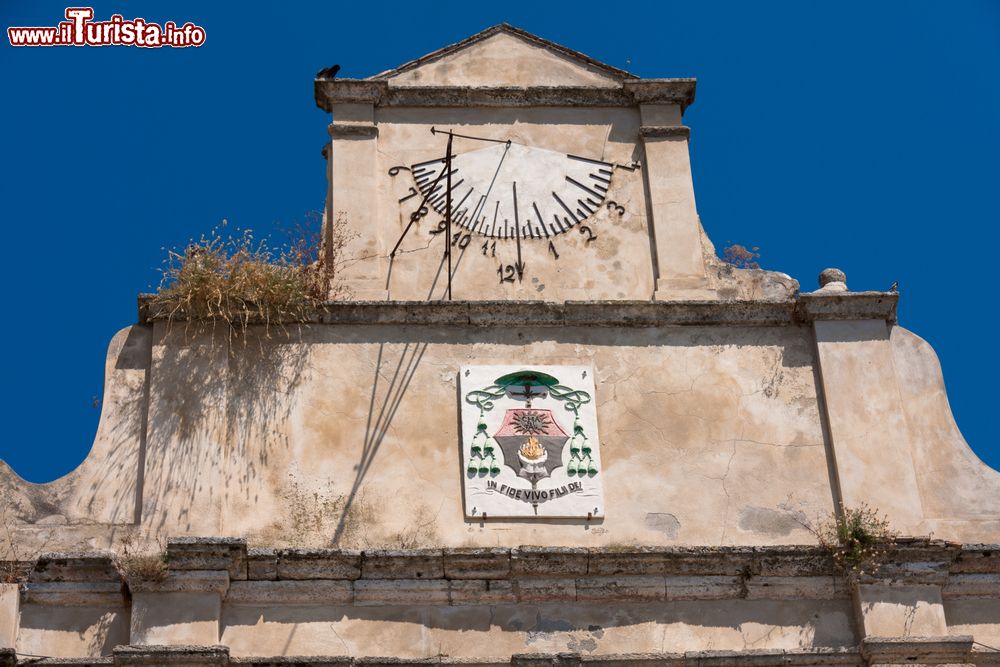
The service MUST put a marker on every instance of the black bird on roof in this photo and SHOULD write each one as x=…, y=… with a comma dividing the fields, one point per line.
x=328, y=72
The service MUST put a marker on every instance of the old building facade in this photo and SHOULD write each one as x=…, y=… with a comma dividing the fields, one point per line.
x=541, y=423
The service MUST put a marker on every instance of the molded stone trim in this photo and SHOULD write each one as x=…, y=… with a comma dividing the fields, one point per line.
x=329, y=92
x=129, y=656
x=848, y=306
x=218, y=656
x=212, y=553
x=74, y=594
x=653, y=132
x=621, y=314
x=350, y=131
x=954, y=649
x=194, y=581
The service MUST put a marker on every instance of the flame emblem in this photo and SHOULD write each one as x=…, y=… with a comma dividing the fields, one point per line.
x=532, y=449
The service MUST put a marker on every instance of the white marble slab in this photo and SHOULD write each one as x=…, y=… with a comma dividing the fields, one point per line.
x=537, y=461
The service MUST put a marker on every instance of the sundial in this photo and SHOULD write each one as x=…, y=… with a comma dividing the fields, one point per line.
x=507, y=192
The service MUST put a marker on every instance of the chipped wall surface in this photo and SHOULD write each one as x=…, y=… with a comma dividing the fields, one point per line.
x=502, y=630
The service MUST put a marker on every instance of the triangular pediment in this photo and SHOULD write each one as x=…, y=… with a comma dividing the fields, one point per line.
x=504, y=56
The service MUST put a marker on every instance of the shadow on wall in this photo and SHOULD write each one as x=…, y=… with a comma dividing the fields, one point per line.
x=72, y=631
x=219, y=401
x=380, y=415
x=104, y=489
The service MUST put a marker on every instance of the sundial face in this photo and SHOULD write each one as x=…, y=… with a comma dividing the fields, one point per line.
x=510, y=196
x=509, y=190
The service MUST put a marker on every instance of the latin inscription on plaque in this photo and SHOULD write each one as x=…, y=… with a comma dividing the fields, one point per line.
x=530, y=446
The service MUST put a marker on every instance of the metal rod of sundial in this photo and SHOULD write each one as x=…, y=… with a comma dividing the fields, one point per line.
x=447, y=208
x=416, y=214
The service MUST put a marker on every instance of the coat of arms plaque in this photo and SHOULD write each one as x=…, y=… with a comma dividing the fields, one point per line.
x=530, y=446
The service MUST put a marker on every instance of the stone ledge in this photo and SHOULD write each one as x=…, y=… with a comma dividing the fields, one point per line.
x=396, y=564
x=352, y=131
x=212, y=553
x=325, y=592
x=522, y=573
x=317, y=564
x=330, y=92
x=848, y=306
x=80, y=567
x=127, y=656
x=400, y=592
x=476, y=563
x=953, y=649
x=618, y=314
x=977, y=558
x=977, y=585
x=549, y=561
x=665, y=132
x=923, y=651
x=193, y=581
x=262, y=564
x=74, y=593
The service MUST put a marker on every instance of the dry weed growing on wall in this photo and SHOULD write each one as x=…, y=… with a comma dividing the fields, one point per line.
x=858, y=539
x=9, y=549
x=137, y=564
x=240, y=280
x=741, y=257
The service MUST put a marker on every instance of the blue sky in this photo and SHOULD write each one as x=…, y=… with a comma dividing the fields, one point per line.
x=853, y=134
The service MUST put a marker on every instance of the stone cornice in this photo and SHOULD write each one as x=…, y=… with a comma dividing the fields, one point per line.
x=664, y=132
x=330, y=92
x=953, y=649
x=814, y=306
x=662, y=91
x=915, y=650
x=622, y=314
x=351, y=131
x=483, y=575
x=197, y=581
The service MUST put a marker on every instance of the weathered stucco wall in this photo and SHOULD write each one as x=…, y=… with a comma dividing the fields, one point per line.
x=708, y=437
x=348, y=435
x=503, y=630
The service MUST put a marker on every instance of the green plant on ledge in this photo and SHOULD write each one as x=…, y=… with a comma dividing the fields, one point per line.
x=858, y=539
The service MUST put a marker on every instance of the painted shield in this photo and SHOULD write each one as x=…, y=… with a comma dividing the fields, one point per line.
x=532, y=442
